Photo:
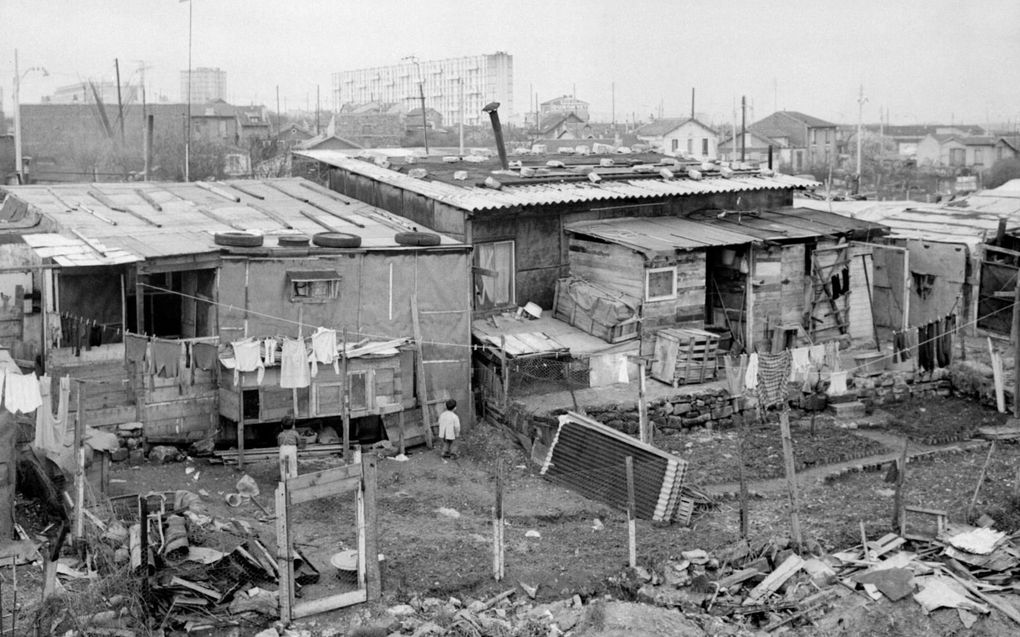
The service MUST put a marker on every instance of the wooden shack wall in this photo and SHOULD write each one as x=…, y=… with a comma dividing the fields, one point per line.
x=374, y=302
x=947, y=263
x=541, y=247
x=607, y=264
x=778, y=287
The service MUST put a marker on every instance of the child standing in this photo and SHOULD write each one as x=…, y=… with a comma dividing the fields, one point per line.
x=288, y=440
x=449, y=428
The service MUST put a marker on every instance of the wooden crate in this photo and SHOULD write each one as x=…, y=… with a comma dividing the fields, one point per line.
x=685, y=356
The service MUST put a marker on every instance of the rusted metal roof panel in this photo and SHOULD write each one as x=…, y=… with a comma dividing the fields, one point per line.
x=659, y=235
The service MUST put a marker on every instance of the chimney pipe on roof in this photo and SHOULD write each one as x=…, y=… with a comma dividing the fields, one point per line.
x=497, y=130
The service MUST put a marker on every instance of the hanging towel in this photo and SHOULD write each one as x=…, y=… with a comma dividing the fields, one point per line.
x=134, y=347
x=204, y=356
x=816, y=354
x=294, y=370
x=773, y=374
x=166, y=358
x=832, y=355
x=751, y=375
x=926, y=347
x=21, y=393
x=324, y=348
x=736, y=369
x=837, y=383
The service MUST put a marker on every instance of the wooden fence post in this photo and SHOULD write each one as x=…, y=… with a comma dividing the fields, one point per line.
x=899, y=520
x=373, y=575
x=79, y=464
x=498, y=563
x=791, y=477
x=631, y=523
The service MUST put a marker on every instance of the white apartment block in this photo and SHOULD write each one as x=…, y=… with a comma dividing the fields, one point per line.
x=467, y=82
x=207, y=84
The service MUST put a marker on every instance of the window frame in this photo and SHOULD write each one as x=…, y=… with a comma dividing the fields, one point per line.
x=649, y=272
x=297, y=279
x=512, y=285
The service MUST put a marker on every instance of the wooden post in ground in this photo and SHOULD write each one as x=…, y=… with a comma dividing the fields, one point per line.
x=864, y=542
x=745, y=514
x=283, y=553
x=498, y=565
x=400, y=435
x=79, y=464
x=1016, y=350
x=791, y=477
x=505, y=359
x=1016, y=485
x=998, y=378
x=631, y=523
x=373, y=575
x=899, y=517
x=980, y=481
x=345, y=402
x=423, y=397
x=644, y=427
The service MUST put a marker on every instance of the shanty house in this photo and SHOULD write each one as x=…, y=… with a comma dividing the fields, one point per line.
x=681, y=135
x=760, y=275
x=515, y=217
x=962, y=151
x=127, y=285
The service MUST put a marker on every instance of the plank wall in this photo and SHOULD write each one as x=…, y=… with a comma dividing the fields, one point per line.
x=688, y=308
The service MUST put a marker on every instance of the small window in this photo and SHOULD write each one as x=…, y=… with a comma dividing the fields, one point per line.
x=660, y=284
x=704, y=146
x=313, y=286
x=359, y=390
x=690, y=146
x=676, y=145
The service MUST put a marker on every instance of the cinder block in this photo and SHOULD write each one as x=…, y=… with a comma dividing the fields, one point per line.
x=854, y=409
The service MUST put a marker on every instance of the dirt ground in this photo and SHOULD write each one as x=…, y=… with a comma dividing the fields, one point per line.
x=435, y=519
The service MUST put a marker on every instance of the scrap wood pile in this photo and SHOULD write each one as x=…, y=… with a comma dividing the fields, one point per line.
x=974, y=570
x=181, y=569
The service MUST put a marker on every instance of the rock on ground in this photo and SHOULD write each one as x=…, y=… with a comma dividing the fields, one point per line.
x=623, y=619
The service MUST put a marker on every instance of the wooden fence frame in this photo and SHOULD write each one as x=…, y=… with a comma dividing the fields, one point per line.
x=360, y=478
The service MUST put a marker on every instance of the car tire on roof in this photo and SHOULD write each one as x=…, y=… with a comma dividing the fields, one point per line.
x=238, y=239
x=293, y=241
x=416, y=239
x=336, y=240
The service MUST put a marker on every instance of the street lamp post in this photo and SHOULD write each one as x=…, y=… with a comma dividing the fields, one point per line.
x=187, y=124
x=19, y=167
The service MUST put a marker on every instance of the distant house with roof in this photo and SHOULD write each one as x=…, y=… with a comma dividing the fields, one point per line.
x=807, y=140
x=753, y=146
x=563, y=126
x=962, y=151
x=907, y=137
x=681, y=136
x=565, y=104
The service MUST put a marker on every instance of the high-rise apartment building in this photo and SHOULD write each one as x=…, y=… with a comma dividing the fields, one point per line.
x=450, y=85
x=207, y=84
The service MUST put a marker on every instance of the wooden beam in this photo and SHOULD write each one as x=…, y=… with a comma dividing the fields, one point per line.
x=283, y=557
x=791, y=478
x=631, y=522
x=422, y=383
x=79, y=465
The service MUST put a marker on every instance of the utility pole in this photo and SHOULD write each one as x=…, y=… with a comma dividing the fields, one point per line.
x=612, y=91
x=860, y=126
x=277, y=109
x=743, y=127
x=18, y=164
x=692, y=102
x=460, y=126
x=187, y=124
x=120, y=101
x=316, y=109
x=421, y=96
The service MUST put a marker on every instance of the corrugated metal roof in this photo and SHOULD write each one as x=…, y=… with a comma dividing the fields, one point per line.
x=143, y=220
x=665, y=235
x=473, y=198
x=659, y=235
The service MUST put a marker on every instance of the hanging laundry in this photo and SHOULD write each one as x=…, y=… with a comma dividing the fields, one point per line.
x=55, y=327
x=324, y=348
x=773, y=374
x=269, y=351
x=901, y=346
x=736, y=369
x=134, y=347
x=800, y=363
x=204, y=356
x=837, y=383
x=816, y=354
x=21, y=393
x=248, y=358
x=294, y=370
x=832, y=355
x=834, y=284
x=926, y=337
x=49, y=431
x=166, y=358
x=944, y=345
x=751, y=375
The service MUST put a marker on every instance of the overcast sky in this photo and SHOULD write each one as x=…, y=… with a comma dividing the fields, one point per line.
x=922, y=61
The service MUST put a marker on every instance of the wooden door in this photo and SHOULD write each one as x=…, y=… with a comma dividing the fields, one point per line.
x=997, y=290
x=890, y=291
